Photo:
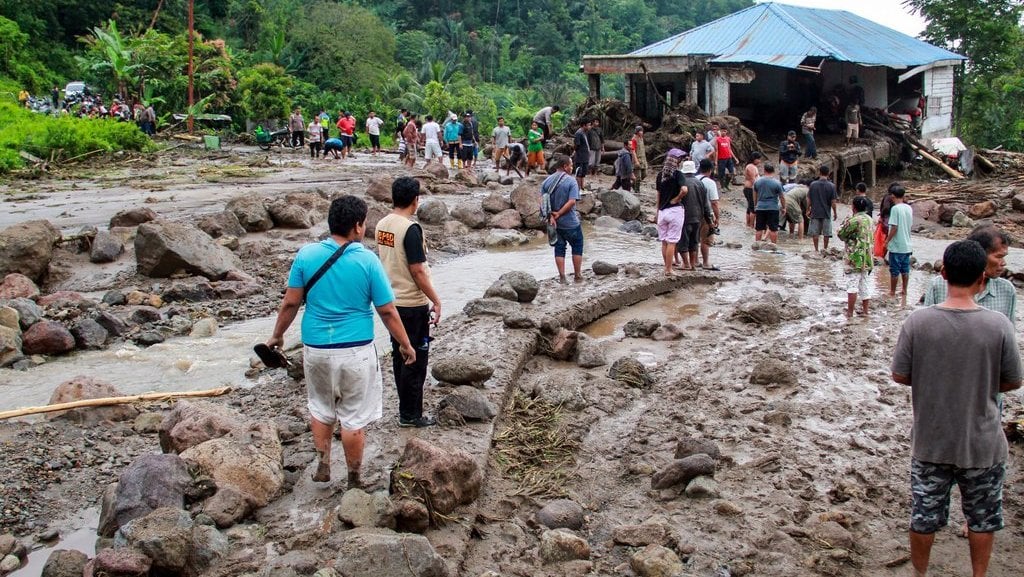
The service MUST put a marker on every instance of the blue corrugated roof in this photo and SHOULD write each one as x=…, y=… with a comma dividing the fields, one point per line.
x=784, y=35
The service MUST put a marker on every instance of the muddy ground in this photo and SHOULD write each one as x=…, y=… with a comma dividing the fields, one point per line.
x=812, y=478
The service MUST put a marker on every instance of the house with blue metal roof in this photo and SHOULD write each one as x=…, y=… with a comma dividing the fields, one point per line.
x=768, y=63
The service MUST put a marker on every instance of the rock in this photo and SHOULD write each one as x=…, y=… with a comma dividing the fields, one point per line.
x=948, y=210
x=682, y=470
x=144, y=314
x=114, y=298
x=607, y=222
x=649, y=231
x=454, y=228
x=632, y=227
x=149, y=338
x=562, y=346
x=587, y=203
x=8, y=564
x=81, y=388
x=667, y=332
x=89, y=334
x=526, y=200
x=644, y=534
x=204, y=328
x=781, y=418
x=379, y=188
x=1018, y=202
x=326, y=572
x=432, y=211
x=366, y=552
x=506, y=219
x=27, y=248
x=467, y=177
x=470, y=403
x=727, y=508
x=620, y=204
x=29, y=313
x=411, y=516
x=960, y=220
x=437, y=169
x=687, y=446
x=656, y=561
x=147, y=484
x=702, y=486
x=834, y=535
x=9, y=545
x=147, y=423
x=113, y=324
x=772, y=371
x=165, y=248
x=447, y=478
x=517, y=320
x=496, y=203
x=227, y=506
x=983, y=209
x=18, y=286
x=286, y=214
x=488, y=306
x=557, y=545
x=65, y=300
x=121, y=562
x=602, y=268
x=247, y=461
x=361, y=509
x=589, y=353
x=47, y=338
x=65, y=563
x=500, y=238
x=193, y=422
x=640, y=328
x=221, y=224
x=105, y=248
x=631, y=372
x=10, y=318
x=502, y=290
x=524, y=283
x=561, y=514
x=251, y=212
x=10, y=346
x=770, y=309
x=164, y=535
x=472, y=215
x=462, y=370
x=208, y=546
x=132, y=217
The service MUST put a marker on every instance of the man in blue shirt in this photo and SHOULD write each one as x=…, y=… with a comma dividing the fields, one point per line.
x=343, y=379
x=564, y=193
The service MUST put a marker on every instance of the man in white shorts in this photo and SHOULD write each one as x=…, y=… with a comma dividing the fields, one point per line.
x=343, y=379
x=432, y=140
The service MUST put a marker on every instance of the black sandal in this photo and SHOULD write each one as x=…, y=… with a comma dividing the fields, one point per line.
x=271, y=358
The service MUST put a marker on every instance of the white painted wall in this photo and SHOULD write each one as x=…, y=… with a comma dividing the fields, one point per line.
x=718, y=92
x=938, y=90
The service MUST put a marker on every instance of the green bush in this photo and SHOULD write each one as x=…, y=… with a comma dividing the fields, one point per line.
x=43, y=135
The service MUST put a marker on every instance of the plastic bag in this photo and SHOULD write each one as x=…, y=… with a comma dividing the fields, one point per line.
x=880, y=234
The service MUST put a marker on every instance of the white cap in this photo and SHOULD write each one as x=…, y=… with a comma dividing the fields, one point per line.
x=689, y=167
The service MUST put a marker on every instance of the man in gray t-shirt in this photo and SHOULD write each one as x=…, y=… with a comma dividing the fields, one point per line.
x=957, y=357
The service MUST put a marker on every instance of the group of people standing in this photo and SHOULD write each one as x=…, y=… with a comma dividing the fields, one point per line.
x=318, y=133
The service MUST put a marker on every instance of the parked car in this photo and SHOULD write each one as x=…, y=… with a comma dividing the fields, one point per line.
x=74, y=89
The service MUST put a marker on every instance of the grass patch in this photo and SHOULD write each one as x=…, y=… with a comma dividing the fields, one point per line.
x=63, y=137
x=535, y=449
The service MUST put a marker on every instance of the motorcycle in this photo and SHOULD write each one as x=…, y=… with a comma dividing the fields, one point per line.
x=266, y=139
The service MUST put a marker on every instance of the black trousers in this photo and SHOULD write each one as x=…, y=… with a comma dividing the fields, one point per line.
x=409, y=378
x=298, y=138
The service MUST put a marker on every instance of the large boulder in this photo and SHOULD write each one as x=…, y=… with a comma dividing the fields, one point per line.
x=47, y=338
x=507, y=219
x=27, y=248
x=523, y=283
x=982, y=209
x=445, y=478
x=18, y=286
x=437, y=170
x=121, y=562
x=432, y=211
x=469, y=403
x=471, y=215
x=287, y=214
x=462, y=370
x=248, y=463
x=927, y=209
x=10, y=346
x=219, y=224
x=467, y=177
x=105, y=248
x=370, y=552
x=150, y=482
x=374, y=212
x=164, y=248
x=89, y=334
x=175, y=544
x=132, y=217
x=193, y=422
x=495, y=203
x=379, y=188
x=29, y=312
x=620, y=204
x=65, y=563
x=251, y=212
x=526, y=200
x=505, y=238
x=82, y=388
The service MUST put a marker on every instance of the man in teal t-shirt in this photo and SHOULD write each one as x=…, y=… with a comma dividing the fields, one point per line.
x=901, y=218
x=343, y=379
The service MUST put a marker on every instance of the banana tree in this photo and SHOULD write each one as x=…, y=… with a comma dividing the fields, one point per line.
x=111, y=54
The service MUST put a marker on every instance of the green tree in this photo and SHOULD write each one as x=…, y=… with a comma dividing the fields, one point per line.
x=113, y=56
x=263, y=92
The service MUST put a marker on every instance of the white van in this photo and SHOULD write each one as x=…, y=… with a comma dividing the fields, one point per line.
x=73, y=88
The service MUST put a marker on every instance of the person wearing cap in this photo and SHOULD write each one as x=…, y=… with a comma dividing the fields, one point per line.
x=452, y=133
x=789, y=158
x=636, y=146
x=671, y=186
x=768, y=202
x=697, y=211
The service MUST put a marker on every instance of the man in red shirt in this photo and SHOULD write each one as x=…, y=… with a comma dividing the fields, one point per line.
x=726, y=160
x=347, y=127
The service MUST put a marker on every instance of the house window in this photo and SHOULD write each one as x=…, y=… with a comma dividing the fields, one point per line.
x=934, y=106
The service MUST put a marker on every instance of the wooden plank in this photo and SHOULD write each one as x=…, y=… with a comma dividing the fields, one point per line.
x=108, y=401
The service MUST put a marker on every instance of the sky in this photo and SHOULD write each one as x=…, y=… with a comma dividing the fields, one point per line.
x=890, y=13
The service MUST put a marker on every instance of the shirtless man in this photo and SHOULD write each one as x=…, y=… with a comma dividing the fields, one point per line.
x=750, y=174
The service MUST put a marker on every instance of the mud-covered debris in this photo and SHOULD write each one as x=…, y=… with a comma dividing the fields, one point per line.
x=687, y=446
x=656, y=561
x=640, y=328
x=682, y=470
x=561, y=513
x=562, y=345
x=773, y=371
x=602, y=268
x=769, y=309
x=361, y=509
x=589, y=353
x=667, y=332
x=631, y=372
x=558, y=545
x=536, y=451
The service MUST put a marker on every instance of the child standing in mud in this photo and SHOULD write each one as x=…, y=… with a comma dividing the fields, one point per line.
x=857, y=233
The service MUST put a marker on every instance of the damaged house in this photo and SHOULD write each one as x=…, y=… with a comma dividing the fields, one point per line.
x=770, y=62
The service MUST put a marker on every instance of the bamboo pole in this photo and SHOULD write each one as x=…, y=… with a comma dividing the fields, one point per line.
x=108, y=401
x=937, y=162
x=984, y=161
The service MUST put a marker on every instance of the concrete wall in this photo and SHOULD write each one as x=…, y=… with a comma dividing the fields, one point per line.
x=718, y=92
x=938, y=90
x=872, y=78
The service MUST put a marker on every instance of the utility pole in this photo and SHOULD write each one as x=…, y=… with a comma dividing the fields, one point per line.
x=191, y=69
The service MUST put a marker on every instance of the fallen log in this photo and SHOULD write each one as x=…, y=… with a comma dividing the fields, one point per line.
x=984, y=161
x=928, y=156
x=108, y=401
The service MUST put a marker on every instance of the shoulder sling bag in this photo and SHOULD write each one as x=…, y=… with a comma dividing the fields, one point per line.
x=323, y=269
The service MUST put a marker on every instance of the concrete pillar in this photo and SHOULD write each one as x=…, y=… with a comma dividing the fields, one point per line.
x=718, y=93
x=691, y=88
x=594, y=80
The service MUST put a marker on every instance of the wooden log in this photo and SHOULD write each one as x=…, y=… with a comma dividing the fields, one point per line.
x=984, y=161
x=108, y=401
x=945, y=167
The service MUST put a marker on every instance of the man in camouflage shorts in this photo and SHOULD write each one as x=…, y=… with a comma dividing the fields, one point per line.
x=957, y=357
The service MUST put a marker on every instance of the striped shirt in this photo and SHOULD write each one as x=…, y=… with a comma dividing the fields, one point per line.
x=999, y=295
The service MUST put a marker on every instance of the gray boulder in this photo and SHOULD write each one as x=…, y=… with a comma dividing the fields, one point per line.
x=470, y=403
x=471, y=215
x=561, y=514
x=115, y=325
x=504, y=238
x=526, y=200
x=361, y=509
x=379, y=188
x=27, y=248
x=105, y=248
x=132, y=217
x=165, y=536
x=287, y=214
x=496, y=203
x=656, y=561
x=89, y=334
x=687, y=446
x=524, y=283
x=620, y=204
x=149, y=483
x=506, y=219
x=557, y=545
x=219, y=224
x=29, y=313
x=589, y=352
x=606, y=221
x=432, y=211
x=632, y=227
x=370, y=552
x=251, y=212
x=462, y=370
x=602, y=268
x=165, y=248
x=640, y=328
x=65, y=563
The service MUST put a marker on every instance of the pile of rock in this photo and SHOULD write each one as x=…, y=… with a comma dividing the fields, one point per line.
x=692, y=470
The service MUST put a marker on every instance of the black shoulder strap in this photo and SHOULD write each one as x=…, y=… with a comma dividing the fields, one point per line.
x=323, y=268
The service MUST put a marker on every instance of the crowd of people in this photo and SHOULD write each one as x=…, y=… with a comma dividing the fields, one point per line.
x=86, y=104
